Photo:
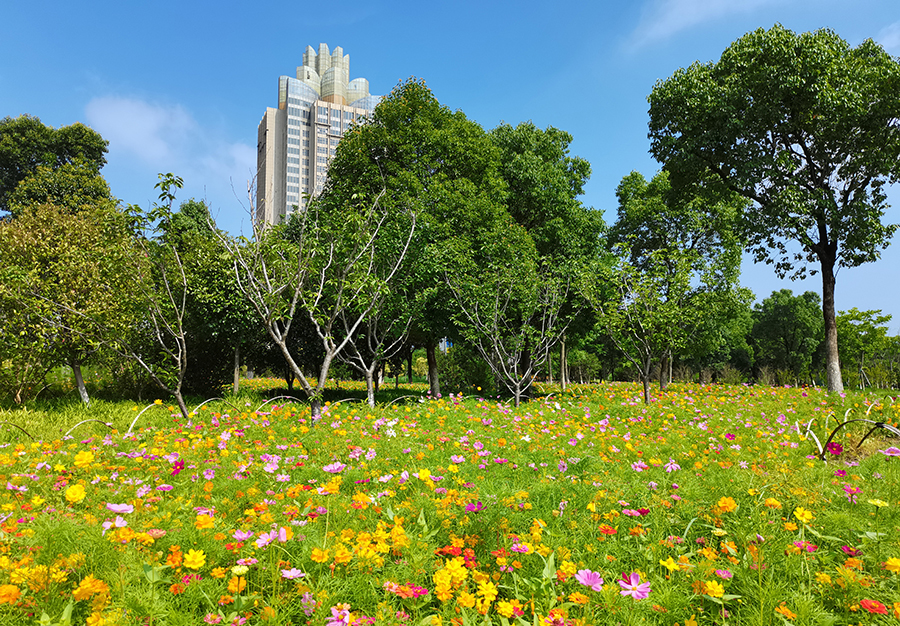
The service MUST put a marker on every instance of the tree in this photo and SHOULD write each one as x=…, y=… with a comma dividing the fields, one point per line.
x=805, y=127
x=437, y=164
x=683, y=239
x=862, y=336
x=787, y=331
x=322, y=265
x=509, y=305
x=543, y=184
x=26, y=144
x=640, y=307
x=70, y=272
x=218, y=319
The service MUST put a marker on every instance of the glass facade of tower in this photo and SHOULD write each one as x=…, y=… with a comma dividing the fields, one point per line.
x=298, y=139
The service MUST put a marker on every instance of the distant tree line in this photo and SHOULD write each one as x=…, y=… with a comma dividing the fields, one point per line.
x=432, y=229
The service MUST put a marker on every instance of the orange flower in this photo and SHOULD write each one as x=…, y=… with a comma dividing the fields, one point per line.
x=783, y=610
x=203, y=522
x=176, y=589
x=9, y=594
x=175, y=557
x=726, y=504
x=237, y=584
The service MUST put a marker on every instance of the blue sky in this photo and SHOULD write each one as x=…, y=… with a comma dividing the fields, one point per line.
x=181, y=86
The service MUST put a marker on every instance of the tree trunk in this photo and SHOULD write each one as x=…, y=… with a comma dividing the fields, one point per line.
x=433, y=382
x=79, y=382
x=563, y=365
x=370, y=387
x=181, y=405
x=664, y=370
x=549, y=366
x=832, y=360
x=409, y=372
x=236, y=387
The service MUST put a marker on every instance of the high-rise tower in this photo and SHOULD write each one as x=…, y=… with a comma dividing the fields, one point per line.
x=297, y=140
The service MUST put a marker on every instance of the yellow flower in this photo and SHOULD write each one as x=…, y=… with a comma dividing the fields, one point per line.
x=466, y=600
x=194, y=559
x=203, y=522
x=487, y=590
x=804, y=516
x=892, y=565
x=319, y=555
x=822, y=577
x=772, y=503
x=84, y=459
x=878, y=503
x=713, y=589
x=75, y=494
x=342, y=555
x=669, y=564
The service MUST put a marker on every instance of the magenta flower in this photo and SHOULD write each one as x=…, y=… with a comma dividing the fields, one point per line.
x=632, y=586
x=639, y=466
x=590, y=579
x=834, y=448
x=177, y=466
x=892, y=451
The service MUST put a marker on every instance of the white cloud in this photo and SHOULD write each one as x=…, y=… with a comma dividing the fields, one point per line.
x=153, y=134
x=146, y=138
x=662, y=19
x=889, y=38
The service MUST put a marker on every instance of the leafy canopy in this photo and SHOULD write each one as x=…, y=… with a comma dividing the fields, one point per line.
x=804, y=126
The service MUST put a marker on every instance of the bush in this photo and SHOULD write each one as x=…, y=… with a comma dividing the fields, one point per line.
x=462, y=369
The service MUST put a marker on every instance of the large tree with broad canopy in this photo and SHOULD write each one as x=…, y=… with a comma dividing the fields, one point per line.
x=807, y=128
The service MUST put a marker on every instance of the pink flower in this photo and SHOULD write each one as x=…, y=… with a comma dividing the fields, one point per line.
x=121, y=509
x=334, y=468
x=892, y=451
x=292, y=574
x=590, y=579
x=632, y=586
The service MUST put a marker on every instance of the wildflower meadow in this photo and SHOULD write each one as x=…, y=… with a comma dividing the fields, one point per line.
x=711, y=505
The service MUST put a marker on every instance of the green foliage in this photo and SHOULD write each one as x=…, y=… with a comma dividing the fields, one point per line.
x=863, y=338
x=464, y=370
x=69, y=281
x=787, y=332
x=543, y=185
x=804, y=126
x=26, y=145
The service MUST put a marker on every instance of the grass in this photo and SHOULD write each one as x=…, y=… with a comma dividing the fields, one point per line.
x=452, y=510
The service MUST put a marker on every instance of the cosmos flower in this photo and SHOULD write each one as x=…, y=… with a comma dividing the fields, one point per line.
x=632, y=586
x=590, y=579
